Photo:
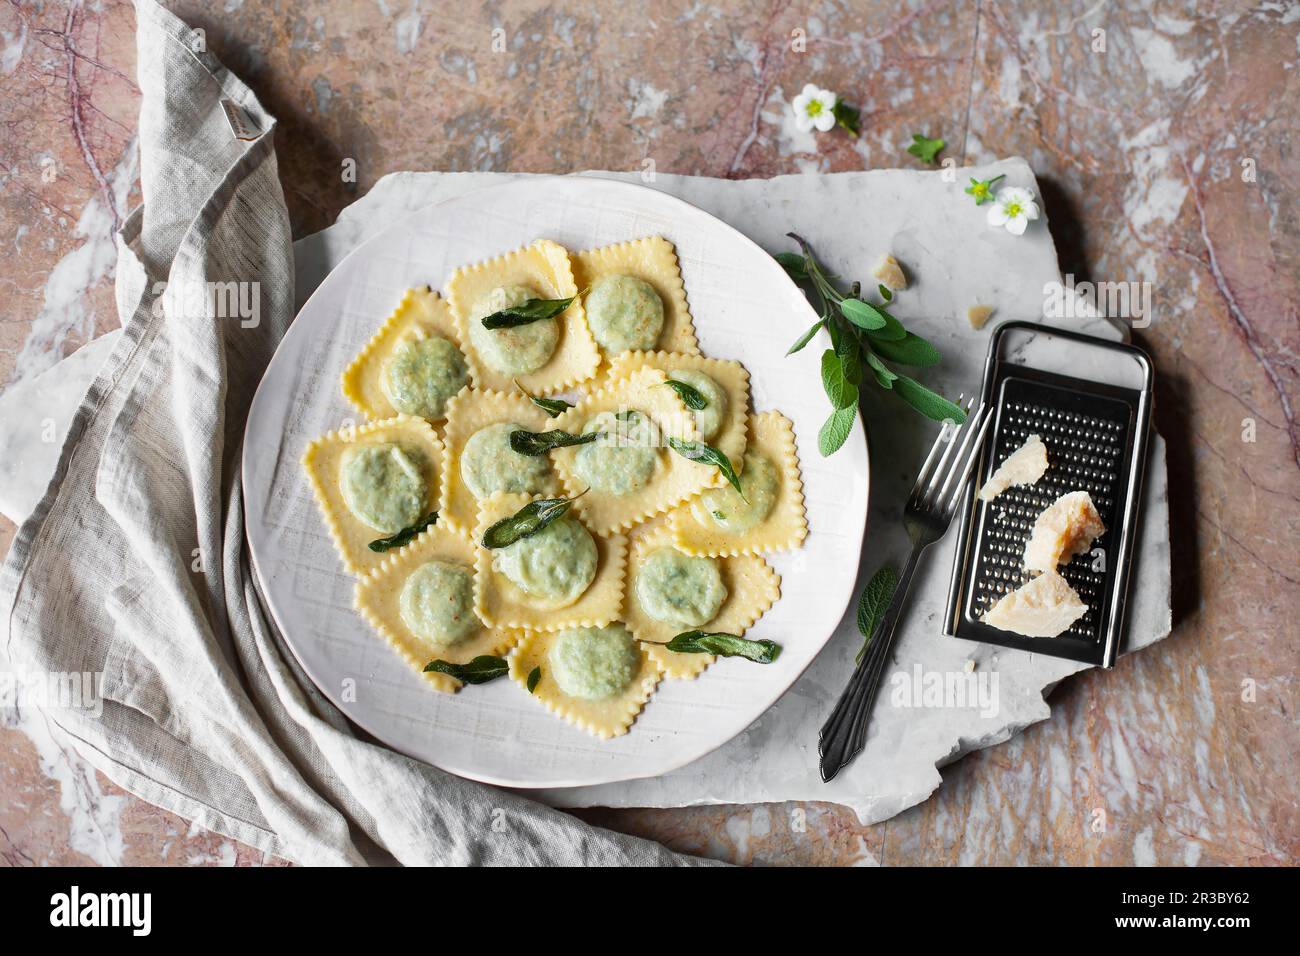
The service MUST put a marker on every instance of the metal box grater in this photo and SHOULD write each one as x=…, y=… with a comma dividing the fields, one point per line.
x=1096, y=437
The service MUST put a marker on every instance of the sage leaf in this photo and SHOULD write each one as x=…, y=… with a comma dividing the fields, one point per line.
x=724, y=645
x=527, y=521
x=405, y=536
x=885, y=376
x=862, y=314
x=891, y=331
x=911, y=349
x=841, y=392
x=534, y=676
x=928, y=403
x=689, y=395
x=794, y=265
x=480, y=670
x=527, y=312
x=707, y=455
x=835, y=432
x=804, y=339
x=886, y=292
x=872, y=603
x=533, y=444
x=924, y=148
x=551, y=406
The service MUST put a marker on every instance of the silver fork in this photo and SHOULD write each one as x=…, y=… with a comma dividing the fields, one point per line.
x=930, y=509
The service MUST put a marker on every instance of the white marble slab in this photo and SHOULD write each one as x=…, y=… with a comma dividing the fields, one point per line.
x=954, y=261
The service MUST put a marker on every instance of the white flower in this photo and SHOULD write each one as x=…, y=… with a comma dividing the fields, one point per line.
x=814, y=107
x=1013, y=208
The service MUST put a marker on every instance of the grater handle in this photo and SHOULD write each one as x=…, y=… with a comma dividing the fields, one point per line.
x=844, y=734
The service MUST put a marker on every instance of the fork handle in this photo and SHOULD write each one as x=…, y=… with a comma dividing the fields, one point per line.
x=844, y=734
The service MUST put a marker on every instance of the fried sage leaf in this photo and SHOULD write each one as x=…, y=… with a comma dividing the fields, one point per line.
x=724, y=645
x=533, y=444
x=405, y=536
x=689, y=394
x=527, y=521
x=551, y=406
x=534, y=677
x=707, y=455
x=480, y=670
x=527, y=312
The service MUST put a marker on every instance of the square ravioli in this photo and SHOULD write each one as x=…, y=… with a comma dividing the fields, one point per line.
x=562, y=576
x=720, y=522
x=724, y=384
x=726, y=594
x=631, y=474
x=589, y=661
x=625, y=316
x=413, y=365
x=388, y=469
x=424, y=593
x=490, y=465
x=546, y=356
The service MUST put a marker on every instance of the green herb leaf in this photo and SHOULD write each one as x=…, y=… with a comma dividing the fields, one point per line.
x=846, y=116
x=885, y=376
x=886, y=292
x=794, y=265
x=533, y=444
x=872, y=603
x=405, y=536
x=724, y=645
x=982, y=189
x=928, y=403
x=892, y=331
x=689, y=395
x=527, y=312
x=804, y=339
x=534, y=676
x=909, y=350
x=480, y=670
x=863, y=314
x=527, y=521
x=707, y=455
x=551, y=406
x=836, y=430
x=841, y=392
x=924, y=148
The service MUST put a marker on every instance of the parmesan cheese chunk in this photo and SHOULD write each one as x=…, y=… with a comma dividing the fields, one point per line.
x=1067, y=527
x=891, y=274
x=978, y=315
x=1044, y=607
x=1024, y=466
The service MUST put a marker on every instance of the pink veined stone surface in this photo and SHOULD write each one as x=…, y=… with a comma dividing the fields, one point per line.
x=1164, y=140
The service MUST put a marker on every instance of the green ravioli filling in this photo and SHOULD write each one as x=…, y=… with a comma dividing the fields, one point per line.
x=488, y=464
x=678, y=589
x=708, y=420
x=623, y=459
x=437, y=603
x=422, y=376
x=557, y=564
x=516, y=350
x=723, y=508
x=624, y=313
x=594, y=662
x=384, y=485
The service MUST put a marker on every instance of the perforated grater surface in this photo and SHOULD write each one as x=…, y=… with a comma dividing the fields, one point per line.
x=1095, y=430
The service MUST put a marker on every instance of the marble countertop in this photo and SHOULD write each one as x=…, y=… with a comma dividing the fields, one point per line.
x=1165, y=150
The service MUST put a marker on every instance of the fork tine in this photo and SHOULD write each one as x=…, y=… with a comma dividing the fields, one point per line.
x=923, y=476
x=932, y=481
x=975, y=426
x=970, y=463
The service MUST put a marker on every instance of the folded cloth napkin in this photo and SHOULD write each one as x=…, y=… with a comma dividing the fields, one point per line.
x=133, y=568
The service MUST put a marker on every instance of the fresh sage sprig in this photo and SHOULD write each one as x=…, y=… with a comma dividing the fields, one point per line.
x=480, y=670
x=689, y=394
x=405, y=536
x=551, y=406
x=533, y=444
x=724, y=645
x=527, y=521
x=534, y=678
x=872, y=603
x=862, y=335
x=707, y=455
x=527, y=312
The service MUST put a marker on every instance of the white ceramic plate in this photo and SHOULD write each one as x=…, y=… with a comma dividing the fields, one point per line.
x=744, y=308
